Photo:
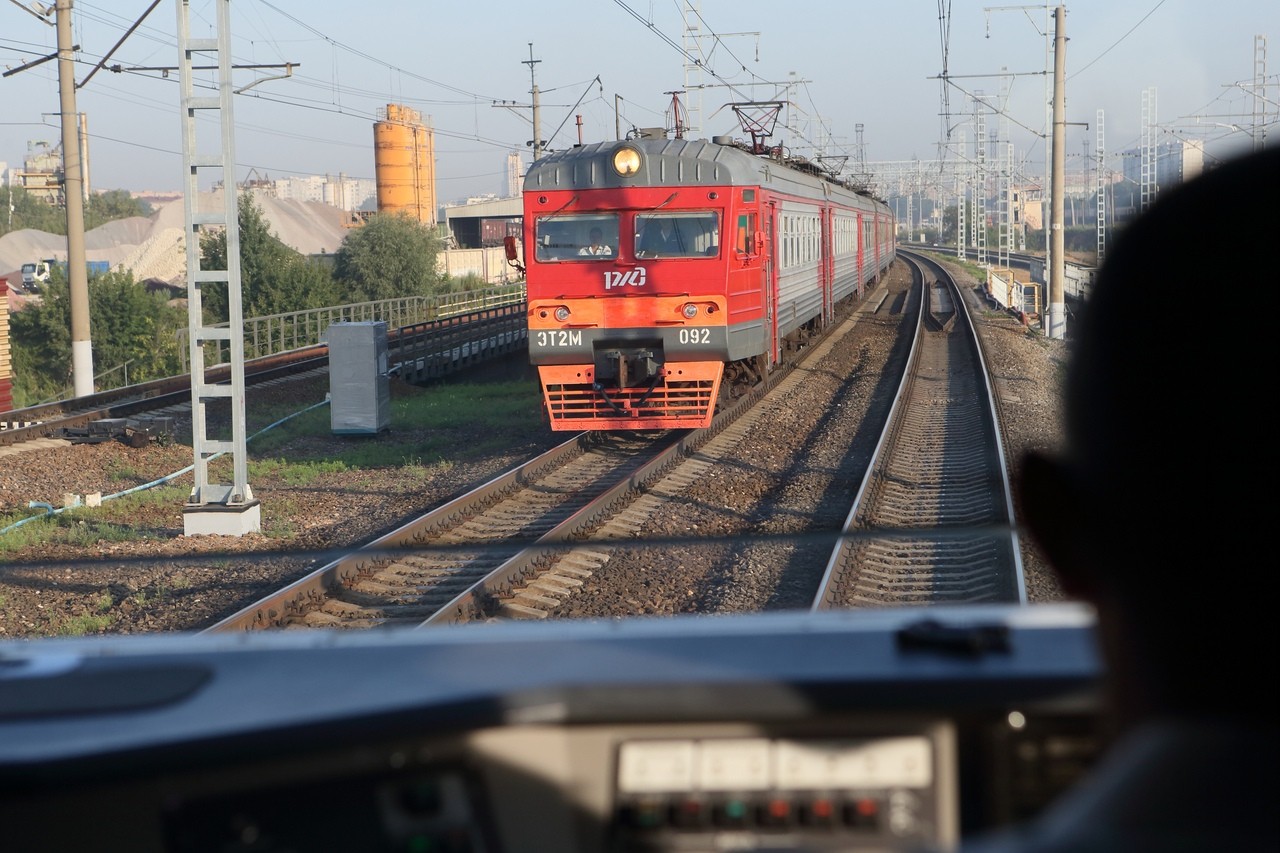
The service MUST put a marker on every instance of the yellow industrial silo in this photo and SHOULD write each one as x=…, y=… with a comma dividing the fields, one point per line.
x=405, y=162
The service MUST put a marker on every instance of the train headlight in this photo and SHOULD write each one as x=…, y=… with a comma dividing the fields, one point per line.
x=626, y=161
x=690, y=310
x=562, y=313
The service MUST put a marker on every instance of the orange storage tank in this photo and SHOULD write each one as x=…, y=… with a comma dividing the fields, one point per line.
x=404, y=158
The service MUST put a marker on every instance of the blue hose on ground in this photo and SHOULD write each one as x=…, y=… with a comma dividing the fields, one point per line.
x=52, y=510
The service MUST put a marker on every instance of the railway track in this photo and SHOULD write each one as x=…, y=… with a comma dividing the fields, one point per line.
x=500, y=550
x=414, y=571
x=521, y=544
x=172, y=393
x=419, y=353
x=933, y=520
x=526, y=542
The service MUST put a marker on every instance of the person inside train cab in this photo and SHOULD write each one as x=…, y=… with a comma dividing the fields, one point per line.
x=595, y=244
x=1155, y=513
x=659, y=238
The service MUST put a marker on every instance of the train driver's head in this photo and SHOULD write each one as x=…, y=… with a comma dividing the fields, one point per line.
x=1168, y=439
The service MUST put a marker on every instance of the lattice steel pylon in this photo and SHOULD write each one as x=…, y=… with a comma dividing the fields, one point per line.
x=1148, y=185
x=1004, y=167
x=1100, y=188
x=691, y=42
x=1259, y=92
x=980, y=166
x=213, y=508
x=962, y=200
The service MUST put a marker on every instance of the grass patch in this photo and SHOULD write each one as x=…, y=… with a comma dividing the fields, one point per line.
x=424, y=427
x=78, y=626
x=154, y=593
x=74, y=527
x=121, y=474
x=430, y=429
x=277, y=520
x=296, y=473
x=86, y=527
x=315, y=422
x=279, y=527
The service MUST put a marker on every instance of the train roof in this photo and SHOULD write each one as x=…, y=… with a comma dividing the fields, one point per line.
x=681, y=162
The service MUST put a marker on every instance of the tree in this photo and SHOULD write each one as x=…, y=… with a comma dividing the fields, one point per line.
x=274, y=279
x=111, y=205
x=30, y=212
x=390, y=256
x=131, y=329
x=40, y=335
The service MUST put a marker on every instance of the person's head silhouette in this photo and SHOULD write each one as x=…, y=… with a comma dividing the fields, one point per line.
x=1155, y=512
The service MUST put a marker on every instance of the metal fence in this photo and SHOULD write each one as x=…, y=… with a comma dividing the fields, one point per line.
x=277, y=333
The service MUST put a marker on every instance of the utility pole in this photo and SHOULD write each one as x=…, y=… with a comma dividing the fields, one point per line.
x=73, y=198
x=537, y=106
x=1057, y=300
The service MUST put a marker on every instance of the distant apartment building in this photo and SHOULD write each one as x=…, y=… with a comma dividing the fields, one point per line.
x=349, y=194
x=515, y=175
x=1176, y=163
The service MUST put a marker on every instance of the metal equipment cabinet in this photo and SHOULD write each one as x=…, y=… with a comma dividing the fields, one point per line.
x=359, y=390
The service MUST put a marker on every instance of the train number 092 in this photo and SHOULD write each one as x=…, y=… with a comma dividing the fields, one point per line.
x=695, y=336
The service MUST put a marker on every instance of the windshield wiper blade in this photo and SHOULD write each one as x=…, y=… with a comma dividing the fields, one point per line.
x=972, y=640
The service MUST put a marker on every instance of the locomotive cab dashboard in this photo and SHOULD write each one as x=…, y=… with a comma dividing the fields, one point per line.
x=870, y=730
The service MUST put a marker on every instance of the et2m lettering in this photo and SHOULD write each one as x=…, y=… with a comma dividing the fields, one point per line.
x=618, y=278
x=558, y=338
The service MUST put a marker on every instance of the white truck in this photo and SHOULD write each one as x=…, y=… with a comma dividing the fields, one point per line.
x=36, y=273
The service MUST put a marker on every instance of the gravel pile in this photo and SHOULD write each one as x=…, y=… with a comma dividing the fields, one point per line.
x=743, y=539
x=147, y=245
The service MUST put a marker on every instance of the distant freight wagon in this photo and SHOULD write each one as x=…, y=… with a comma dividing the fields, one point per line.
x=495, y=231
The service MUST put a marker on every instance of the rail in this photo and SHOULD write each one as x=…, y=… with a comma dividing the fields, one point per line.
x=277, y=333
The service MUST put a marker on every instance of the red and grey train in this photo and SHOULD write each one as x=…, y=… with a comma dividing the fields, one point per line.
x=666, y=275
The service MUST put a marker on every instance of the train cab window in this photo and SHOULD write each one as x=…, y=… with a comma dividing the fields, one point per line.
x=695, y=234
x=578, y=237
x=744, y=236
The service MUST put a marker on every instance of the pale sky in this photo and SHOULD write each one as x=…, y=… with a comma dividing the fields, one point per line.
x=836, y=64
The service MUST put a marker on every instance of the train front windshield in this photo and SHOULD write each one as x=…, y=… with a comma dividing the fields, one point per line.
x=677, y=235
x=577, y=237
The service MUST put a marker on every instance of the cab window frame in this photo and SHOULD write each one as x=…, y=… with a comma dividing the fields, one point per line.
x=704, y=237
x=560, y=237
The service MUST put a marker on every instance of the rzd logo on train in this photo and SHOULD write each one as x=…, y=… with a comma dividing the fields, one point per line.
x=615, y=278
